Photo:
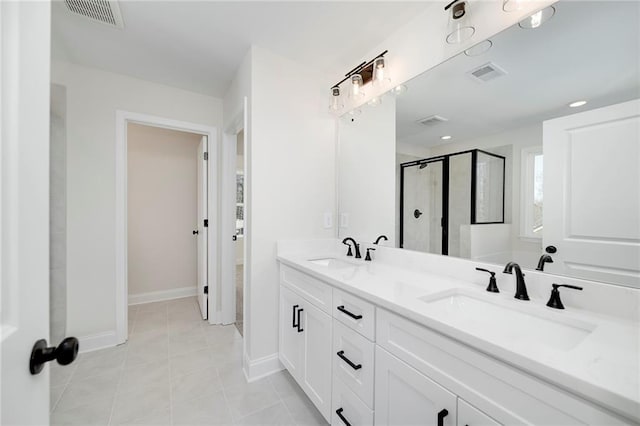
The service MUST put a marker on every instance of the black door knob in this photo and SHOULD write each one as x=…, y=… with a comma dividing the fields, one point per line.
x=551, y=249
x=417, y=213
x=65, y=353
x=194, y=232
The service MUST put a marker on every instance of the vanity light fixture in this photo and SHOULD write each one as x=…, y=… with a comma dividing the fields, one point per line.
x=537, y=19
x=577, y=104
x=460, y=27
x=360, y=75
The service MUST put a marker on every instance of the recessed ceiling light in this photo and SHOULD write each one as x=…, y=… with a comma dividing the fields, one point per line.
x=479, y=48
x=537, y=19
x=445, y=138
x=399, y=89
x=577, y=104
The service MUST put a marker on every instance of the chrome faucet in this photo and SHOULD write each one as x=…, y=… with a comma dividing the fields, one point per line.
x=356, y=246
x=521, y=287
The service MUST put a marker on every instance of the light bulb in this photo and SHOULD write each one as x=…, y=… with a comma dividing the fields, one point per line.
x=336, y=103
x=379, y=73
x=356, y=86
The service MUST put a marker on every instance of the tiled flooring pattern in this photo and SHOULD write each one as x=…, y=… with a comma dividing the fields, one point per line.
x=174, y=370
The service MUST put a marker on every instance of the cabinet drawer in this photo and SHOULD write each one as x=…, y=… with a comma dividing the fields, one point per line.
x=348, y=406
x=314, y=290
x=507, y=394
x=353, y=349
x=354, y=313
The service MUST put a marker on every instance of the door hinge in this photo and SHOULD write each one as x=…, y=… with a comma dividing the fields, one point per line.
x=206, y=289
x=206, y=156
x=206, y=223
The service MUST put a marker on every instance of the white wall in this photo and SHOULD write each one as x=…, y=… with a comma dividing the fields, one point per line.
x=292, y=160
x=366, y=170
x=93, y=97
x=161, y=209
x=290, y=178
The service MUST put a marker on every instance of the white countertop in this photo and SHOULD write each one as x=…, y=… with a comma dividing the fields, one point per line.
x=603, y=367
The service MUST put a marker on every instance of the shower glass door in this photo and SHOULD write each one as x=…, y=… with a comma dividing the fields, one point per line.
x=422, y=219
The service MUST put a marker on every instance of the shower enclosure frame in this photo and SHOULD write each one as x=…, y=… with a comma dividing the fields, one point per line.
x=445, y=191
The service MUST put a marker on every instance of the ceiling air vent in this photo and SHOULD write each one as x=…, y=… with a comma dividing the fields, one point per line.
x=486, y=72
x=103, y=11
x=432, y=120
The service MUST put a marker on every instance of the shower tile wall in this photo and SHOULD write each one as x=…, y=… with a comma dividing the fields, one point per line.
x=58, y=215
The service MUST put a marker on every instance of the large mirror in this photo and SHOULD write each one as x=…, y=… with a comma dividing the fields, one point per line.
x=524, y=148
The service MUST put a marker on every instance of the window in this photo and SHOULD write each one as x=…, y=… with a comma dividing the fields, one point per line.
x=240, y=203
x=532, y=192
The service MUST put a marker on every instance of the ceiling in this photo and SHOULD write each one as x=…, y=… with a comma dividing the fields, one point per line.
x=589, y=50
x=199, y=45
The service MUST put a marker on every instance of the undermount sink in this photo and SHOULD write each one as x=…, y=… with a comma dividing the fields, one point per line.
x=510, y=325
x=332, y=263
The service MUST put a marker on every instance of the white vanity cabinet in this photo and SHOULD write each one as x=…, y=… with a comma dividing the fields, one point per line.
x=469, y=415
x=404, y=396
x=305, y=340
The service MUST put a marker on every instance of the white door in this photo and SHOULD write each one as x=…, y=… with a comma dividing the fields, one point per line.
x=24, y=208
x=315, y=327
x=592, y=193
x=202, y=235
x=404, y=396
x=290, y=345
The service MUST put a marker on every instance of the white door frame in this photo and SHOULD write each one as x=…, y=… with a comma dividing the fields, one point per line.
x=122, y=119
x=228, y=219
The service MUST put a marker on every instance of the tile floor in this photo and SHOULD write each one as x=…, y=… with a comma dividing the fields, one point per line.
x=174, y=370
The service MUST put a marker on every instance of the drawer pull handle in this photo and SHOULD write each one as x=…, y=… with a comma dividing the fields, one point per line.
x=300, y=329
x=441, y=415
x=293, y=319
x=348, y=361
x=339, y=413
x=344, y=311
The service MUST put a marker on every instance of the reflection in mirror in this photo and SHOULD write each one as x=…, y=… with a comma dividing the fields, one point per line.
x=497, y=160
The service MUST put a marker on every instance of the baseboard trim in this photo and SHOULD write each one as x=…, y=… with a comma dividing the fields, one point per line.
x=94, y=342
x=158, y=296
x=261, y=367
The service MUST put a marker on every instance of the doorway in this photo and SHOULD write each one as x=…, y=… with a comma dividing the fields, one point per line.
x=191, y=234
x=166, y=209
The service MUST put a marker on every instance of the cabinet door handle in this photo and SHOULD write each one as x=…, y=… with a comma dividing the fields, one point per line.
x=339, y=413
x=293, y=319
x=300, y=329
x=344, y=311
x=441, y=415
x=348, y=361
